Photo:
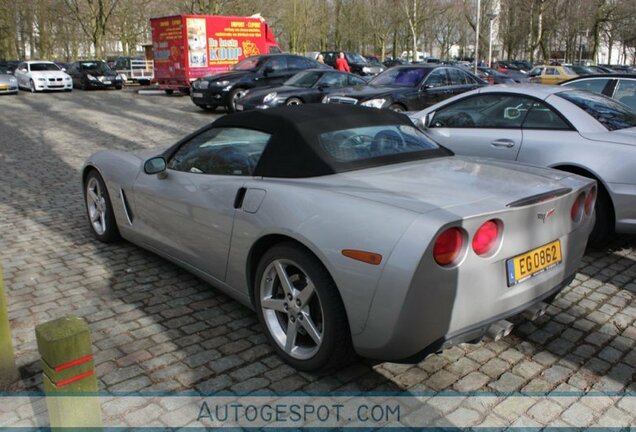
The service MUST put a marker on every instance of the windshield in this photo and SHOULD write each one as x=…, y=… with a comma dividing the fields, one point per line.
x=98, y=67
x=355, y=58
x=249, y=63
x=401, y=77
x=37, y=67
x=610, y=113
x=363, y=143
x=304, y=79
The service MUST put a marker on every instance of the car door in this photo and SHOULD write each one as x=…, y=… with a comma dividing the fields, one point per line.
x=551, y=75
x=329, y=82
x=188, y=210
x=435, y=88
x=460, y=81
x=545, y=135
x=21, y=73
x=274, y=71
x=487, y=125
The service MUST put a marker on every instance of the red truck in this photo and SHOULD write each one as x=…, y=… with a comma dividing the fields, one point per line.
x=187, y=47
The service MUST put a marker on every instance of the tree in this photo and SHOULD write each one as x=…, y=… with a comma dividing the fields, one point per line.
x=93, y=17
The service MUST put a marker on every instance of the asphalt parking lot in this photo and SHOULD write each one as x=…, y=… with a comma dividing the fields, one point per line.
x=157, y=328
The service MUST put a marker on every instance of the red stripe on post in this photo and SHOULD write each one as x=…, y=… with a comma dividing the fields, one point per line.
x=70, y=364
x=73, y=379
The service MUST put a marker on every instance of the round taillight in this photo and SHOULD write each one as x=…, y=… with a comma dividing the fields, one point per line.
x=485, y=239
x=590, y=199
x=577, y=207
x=448, y=246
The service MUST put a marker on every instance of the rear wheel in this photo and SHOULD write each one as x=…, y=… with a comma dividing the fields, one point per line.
x=604, y=223
x=100, y=209
x=300, y=309
x=169, y=91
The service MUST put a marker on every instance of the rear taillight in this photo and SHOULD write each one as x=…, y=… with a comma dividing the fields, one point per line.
x=448, y=246
x=577, y=208
x=486, y=238
x=590, y=199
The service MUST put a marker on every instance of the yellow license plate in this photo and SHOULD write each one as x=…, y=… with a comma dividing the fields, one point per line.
x=4, y=87
x=531, y=263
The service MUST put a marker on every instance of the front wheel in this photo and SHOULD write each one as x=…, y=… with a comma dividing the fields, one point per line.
x=300, y=309
x=32, y=86
x=169, y=91
x=233, y=99
x=397, y=108
x=100, y=209
x=294, y=101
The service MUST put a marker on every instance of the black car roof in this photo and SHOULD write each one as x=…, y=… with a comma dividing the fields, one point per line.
x=294, y=149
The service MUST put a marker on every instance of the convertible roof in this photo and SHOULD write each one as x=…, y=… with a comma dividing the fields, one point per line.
x=294, y=150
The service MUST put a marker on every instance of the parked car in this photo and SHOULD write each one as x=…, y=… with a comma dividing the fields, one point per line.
x=10, y=66
x=503, y=66
x=554, y=126
x=581, y=70
x=602, y=69
x=621, y=87
x=550, y=74
x=395, y=62
x=374, y=61
x=347, y=230
x=410, y=88
x=223, y=89
x=42, y=75
x=523, y=65
x=309, y=86
x=8, y=83
x=493, y=76
x=94, y=74
x=357, y=63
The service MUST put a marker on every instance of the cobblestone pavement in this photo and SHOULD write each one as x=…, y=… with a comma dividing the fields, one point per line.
x=156, y=327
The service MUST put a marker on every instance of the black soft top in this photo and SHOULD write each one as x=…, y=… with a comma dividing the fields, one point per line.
x=294, y=150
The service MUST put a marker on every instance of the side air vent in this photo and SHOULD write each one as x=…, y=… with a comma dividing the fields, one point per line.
x=129, y=215
x=535, y=199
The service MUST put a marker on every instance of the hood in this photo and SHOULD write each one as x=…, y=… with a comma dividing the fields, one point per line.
x=620, y=136
x=372, y=92
x=49, y=74
x=229, y=75
x=7, y=79
x=446, y=182
x=261, y=92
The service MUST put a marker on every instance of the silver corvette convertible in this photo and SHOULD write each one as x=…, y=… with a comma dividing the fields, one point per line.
x=348, y=230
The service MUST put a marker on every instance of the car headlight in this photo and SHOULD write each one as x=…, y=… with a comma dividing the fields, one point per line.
x=13, y=80
x=203, y=84
x=90, y=77
x=270, y=97
x=221, y=83
x=374, y=103
x=41, y=79
x=68, y=78
x=366, y=69
x=325, y=99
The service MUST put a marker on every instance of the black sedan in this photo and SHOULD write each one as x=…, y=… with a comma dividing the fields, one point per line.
x=309, y=86
x=224, y=89
x=410, y=88
x=94, y=74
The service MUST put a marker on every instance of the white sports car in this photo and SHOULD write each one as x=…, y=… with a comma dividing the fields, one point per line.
x=42, y=75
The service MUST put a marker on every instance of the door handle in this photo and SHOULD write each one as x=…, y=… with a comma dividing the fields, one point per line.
x=238, y=199
x=503, y=143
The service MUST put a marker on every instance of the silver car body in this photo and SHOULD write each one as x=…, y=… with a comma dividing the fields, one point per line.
x=404, y=307
x=608, y=156
x=8, y=84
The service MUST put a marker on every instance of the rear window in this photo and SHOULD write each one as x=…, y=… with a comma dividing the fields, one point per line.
x=357, y=144
x=610, y=113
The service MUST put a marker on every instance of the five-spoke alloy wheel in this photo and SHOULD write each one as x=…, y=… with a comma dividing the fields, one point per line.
x=301, y=310
x=99, y=209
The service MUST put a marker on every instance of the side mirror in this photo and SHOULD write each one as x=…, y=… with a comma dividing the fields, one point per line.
x=268, y=70
x=63, y=69
x=23, y=70
x=155, y=165
x=428, y=120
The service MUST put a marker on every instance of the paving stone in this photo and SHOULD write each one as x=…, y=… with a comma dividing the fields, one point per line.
x=495, y=367
x=472, y=382
x=508, y=382
x=441, y=380
x=578, y=415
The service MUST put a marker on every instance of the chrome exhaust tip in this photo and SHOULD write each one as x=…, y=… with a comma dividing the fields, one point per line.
x=535, y=311
x=499, y=329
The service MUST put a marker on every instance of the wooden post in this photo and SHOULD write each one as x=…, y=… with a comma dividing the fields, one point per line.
x=67, y=362
x=8, y=371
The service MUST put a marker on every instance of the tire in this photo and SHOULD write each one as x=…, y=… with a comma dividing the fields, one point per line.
x=99, y=209
x=293, y=101
x=321, y=310
x=397, y=108
x=604, y=221
x=233, y=96
x=169, y=91
x=118, y=87
x=32, y=86
x=84, y=86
